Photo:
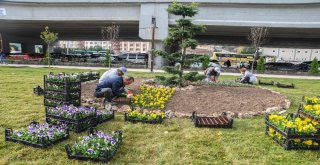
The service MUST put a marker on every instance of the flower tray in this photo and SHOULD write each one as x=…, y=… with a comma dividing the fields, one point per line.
x=38, y=90
x=100, y=119
x=43, y=142
x=108, y=155
x=279, y=85
x=77, y=125
x=61, y=96
x=126, y=118
x=265, y=83
x=49, y=102
x=212, y=122
x=309, y=102
x=303, y=113
x=289, y=136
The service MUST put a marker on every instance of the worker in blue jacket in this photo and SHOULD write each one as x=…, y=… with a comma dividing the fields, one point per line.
x=111, y=88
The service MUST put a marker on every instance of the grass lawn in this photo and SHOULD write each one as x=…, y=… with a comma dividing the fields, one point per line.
x=176, y=141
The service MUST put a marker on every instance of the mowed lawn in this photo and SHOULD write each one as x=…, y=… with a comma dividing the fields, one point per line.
x=176, y=141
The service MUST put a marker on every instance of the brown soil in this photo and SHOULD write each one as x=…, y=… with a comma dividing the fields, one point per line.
x=218, y=99
x=210, y=99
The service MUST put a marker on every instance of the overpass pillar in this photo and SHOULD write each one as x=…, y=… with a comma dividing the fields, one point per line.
x=154, y=13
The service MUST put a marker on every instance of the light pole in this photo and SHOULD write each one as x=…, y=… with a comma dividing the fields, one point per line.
x=153, y=22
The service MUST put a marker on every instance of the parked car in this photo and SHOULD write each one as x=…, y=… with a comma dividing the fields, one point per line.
x=284, y=66
x=134, y=57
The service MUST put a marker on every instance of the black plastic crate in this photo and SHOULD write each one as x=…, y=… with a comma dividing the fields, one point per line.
x=38, y=90
x=108, y=155
x=100, y=119
x=43, y=142
x=289, y=136
x=265, y=83
x=305, y=114
x=49, y=102
x=212, y=122
x=126, y=118
x=62, y=96
x=77, y=124
x=279, y=85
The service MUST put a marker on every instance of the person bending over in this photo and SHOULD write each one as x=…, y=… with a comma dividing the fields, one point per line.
x=212, y=74
x=248, y=77
x=111, y=88
x=113, y=73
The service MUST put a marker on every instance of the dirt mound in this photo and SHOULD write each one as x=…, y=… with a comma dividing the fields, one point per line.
x=210, y=100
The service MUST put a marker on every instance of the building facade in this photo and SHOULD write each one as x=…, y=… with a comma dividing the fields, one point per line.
x=292, y=54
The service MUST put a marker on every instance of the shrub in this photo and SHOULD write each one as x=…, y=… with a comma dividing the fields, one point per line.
x=260, y=65
x=314, y=69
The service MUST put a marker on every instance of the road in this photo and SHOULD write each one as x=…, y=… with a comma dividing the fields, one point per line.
x=161, y=71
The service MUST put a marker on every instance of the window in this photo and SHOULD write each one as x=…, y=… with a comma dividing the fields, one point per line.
x=91, y=42
x=142, y=56
x=306, y=52
x=144, y=45
x=316, y=52
x=131, y=49
x=131, y=45
x=298, y=51
x=144, y=49
x=283, y=51
x=125, y=45
x=132, y=56
x=274, y=51
x=137, y=45
x=138, y=49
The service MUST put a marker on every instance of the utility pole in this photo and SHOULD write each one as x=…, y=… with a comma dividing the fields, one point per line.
x=1, y=45
x=153, y=21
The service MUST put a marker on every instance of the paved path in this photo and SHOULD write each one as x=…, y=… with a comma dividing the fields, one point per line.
x=161, y=71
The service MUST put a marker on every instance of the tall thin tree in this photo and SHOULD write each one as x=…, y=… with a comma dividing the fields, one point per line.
x=257, y=37
x=48, y=37
x=111, y=33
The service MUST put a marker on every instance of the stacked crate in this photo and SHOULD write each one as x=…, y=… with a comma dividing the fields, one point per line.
x=61, y=89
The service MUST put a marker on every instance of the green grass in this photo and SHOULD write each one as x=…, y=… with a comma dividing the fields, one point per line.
x=176, y=141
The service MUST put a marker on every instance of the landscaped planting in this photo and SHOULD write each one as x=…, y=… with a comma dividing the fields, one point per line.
x=96, y=146
x=311, y=100
x=103, y=116
x=146, y=117
x=228, y=84
x=38, y=135
x=87, y=76
x=293, y=132
x=152, y=97
x=62, y=77
x=77, y=118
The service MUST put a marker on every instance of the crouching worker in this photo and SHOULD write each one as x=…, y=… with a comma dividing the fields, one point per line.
x=248, y=77
x=212, y=74
x=111, y=88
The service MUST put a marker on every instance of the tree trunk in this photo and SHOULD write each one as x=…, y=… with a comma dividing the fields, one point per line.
x=48, y=55
x=256, y=56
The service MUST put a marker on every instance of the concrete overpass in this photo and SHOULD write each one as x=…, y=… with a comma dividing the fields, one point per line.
x=294, y=23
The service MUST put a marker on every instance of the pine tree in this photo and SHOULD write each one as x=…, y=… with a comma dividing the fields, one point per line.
x=180, y=38
x=314, y=69
x=260, y=65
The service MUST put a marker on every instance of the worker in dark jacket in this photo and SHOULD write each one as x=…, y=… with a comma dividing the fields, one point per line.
x=112, y=87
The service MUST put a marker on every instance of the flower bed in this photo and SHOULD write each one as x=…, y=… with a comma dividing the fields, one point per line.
x=311, y=111
x=38, y=135
x=87, y=76
x=293, y=132
x=97, y=146
x=150, y=117
x=103, y=116
x=152, y=97
x=311, y=100
x=77, y=118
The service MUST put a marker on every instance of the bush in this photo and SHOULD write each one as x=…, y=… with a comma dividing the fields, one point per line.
x=191, y=76
x=260, y=65
x=205, y=61
x=314, y=69
x=107, y=60
x=167, y=81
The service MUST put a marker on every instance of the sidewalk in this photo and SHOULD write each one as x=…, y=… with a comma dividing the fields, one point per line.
x=161, y=71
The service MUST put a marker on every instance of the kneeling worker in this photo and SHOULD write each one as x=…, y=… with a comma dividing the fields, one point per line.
x=212, y=74
x=111, y=88
x=248, y=77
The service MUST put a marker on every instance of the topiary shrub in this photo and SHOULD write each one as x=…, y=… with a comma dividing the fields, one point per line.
x=260, y=65
x=314, y=69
